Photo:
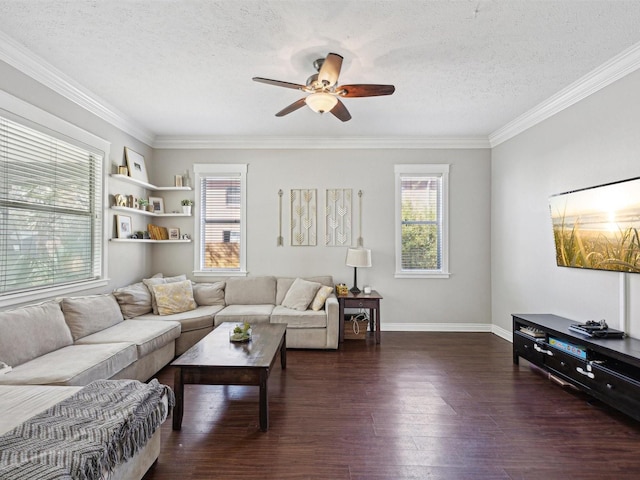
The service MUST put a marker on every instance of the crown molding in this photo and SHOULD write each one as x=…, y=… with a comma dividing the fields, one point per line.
x=35, y=67
x=618, y=67
x=27, y=62
x=242, y=142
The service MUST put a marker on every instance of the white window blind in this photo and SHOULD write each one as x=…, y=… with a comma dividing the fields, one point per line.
x=50, y=210
x=221, y=218
x=421, y=225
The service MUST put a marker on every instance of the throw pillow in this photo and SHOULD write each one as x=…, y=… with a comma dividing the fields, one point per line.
x=300, y=294
x=90, y=314
x=158, y=281
x=175, y=297
x=321, y=297
x=29, y=332
x=209, y=293
x=134, y=300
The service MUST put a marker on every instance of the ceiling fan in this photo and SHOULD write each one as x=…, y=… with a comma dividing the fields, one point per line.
x=324, y=94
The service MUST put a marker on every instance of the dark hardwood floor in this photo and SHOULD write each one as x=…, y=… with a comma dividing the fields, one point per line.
x=418, y=406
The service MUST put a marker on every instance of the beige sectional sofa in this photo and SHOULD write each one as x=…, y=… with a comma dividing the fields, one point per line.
x=55, y=346
x=254, y=300
x=80, y=339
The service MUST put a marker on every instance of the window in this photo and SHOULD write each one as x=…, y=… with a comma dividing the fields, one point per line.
x=221, y=212
x=51, y=228
x=421, y=221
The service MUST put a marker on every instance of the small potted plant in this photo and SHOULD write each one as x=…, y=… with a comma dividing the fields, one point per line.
x=144, y=204
x=186, y=206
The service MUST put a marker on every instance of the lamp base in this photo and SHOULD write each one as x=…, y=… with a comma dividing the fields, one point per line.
x=355, y=290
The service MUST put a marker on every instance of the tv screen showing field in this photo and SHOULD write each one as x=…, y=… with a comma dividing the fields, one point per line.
x=597, y=227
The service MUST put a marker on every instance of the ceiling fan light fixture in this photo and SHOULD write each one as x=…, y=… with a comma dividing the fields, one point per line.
x=321, y=102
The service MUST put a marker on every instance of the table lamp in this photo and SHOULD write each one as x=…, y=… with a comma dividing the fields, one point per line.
x=357, y=257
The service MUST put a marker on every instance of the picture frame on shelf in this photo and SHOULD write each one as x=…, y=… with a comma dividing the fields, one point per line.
x=157, y=203
x=177, y=181
x=135, y=165
x=123, y=226
x=174, y=233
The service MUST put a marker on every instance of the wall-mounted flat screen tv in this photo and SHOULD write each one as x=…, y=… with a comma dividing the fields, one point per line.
x=598, y=227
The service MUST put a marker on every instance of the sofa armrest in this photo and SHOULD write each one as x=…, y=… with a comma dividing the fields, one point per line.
x=333, y=321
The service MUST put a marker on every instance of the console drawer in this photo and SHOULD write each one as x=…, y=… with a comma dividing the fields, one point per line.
x=525, y=347
x=569, y=366
x=617, y=386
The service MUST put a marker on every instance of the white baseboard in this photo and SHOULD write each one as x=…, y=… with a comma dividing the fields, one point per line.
x=502, y=333
x=435, y=327
x=447, y=327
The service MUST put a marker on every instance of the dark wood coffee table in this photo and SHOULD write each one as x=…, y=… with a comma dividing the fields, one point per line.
x=215, y=360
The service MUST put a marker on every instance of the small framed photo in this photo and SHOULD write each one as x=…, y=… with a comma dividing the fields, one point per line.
x=123, y=226
x=177, y=180
x=174, y=234
x=135, y=165
x=157, y=203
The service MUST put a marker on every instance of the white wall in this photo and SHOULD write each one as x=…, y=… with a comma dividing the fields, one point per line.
x=593, y=142
x=460, y=302
x=126, y=262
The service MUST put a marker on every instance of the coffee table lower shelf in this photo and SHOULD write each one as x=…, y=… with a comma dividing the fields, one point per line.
x=216, y=361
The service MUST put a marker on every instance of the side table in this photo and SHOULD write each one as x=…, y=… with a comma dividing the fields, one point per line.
x=369, y=301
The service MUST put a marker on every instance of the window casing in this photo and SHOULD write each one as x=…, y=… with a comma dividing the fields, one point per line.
x=422, y=221
x=51, y=206
x=221, y=215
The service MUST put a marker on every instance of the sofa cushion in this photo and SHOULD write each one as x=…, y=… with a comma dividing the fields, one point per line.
x=201, y=317
x=73, y=365
x=174, y=297
x=209, y=293
x=21, y=332
x=90, y=314
x=300, y=294
x=134, y=300
x=244, y=313
x=284, y=283
x=321, y=297
x=299, y=319
x=147, y=336
x=250, y=291
x=157, y=281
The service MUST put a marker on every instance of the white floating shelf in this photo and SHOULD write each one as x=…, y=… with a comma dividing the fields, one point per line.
x=150, y=214
x=146, y=240
x=148, y=186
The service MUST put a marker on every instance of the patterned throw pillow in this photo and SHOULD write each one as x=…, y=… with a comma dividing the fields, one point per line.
x=149, y=282
x=321, y=297
x=175, y=297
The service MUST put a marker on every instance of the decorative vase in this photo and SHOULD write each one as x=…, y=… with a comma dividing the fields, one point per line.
x=186, y=209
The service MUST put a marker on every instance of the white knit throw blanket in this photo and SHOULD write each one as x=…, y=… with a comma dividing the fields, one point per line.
x=86, y=435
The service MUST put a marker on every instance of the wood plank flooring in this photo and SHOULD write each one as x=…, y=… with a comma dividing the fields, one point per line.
x=418, y=406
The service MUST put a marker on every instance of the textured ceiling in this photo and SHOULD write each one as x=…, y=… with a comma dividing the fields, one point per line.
x=461, y=68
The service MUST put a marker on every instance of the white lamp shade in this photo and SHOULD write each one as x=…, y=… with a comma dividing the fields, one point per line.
x=321, y=102
x=358, y=257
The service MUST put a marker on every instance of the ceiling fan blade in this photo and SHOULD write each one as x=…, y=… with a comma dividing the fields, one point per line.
x=330, y=69
x=279, y=83
x=341, y=112
x=291, y=108
x=365, y=90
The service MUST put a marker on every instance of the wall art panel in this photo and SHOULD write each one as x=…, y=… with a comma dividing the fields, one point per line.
x=303, y=217
x=338, y=217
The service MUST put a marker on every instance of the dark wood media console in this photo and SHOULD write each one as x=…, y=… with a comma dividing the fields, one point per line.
x=607, y=369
